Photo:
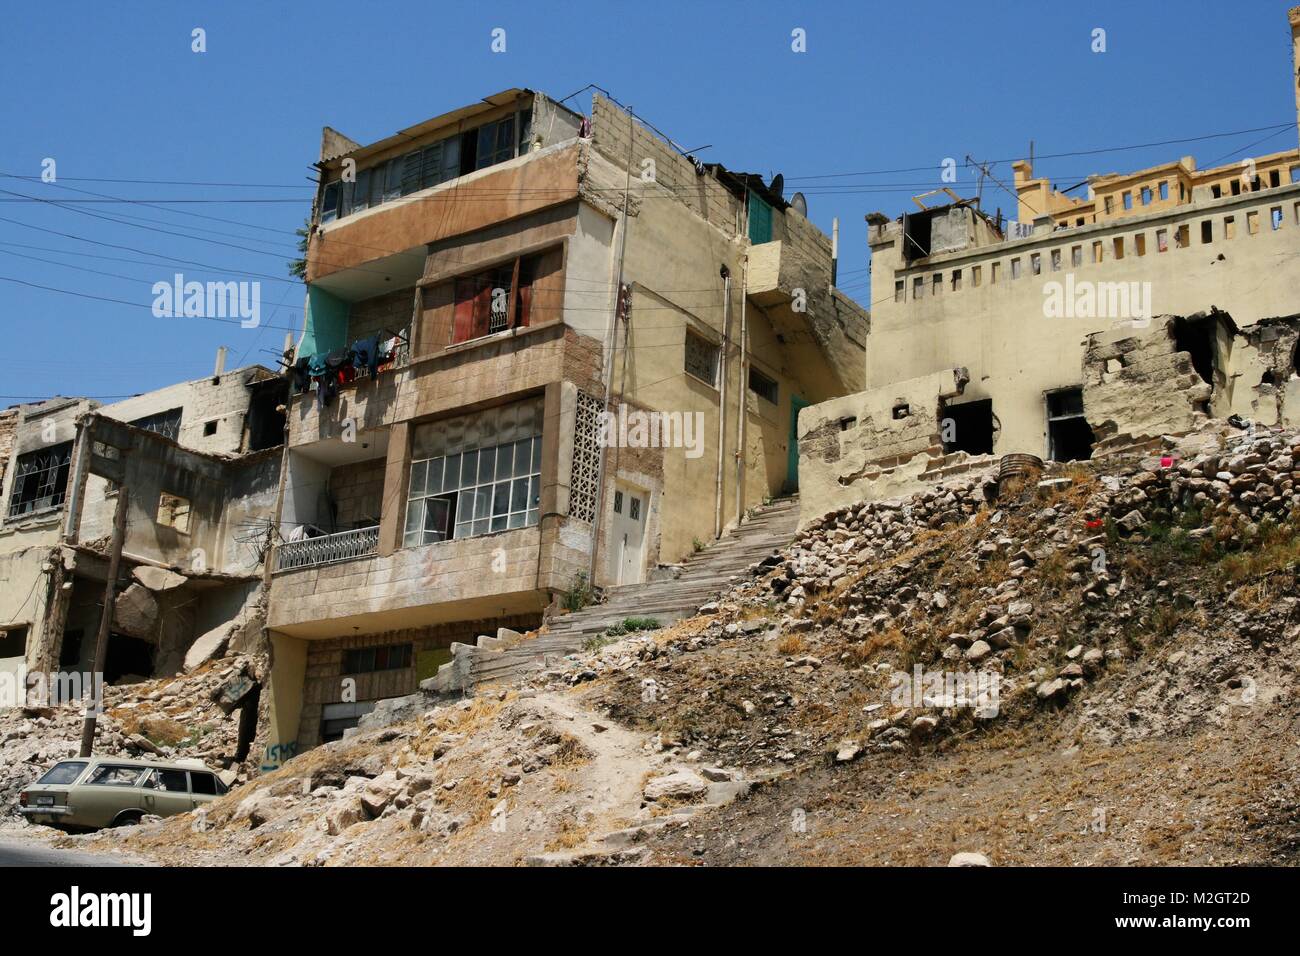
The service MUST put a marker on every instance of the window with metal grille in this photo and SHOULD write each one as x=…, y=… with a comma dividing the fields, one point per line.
x=40, y=480
x=701, y=359
x=483, y=301
x=762, y=386
x=166, y=423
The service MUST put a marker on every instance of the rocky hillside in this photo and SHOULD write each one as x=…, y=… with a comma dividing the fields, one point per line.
x=1092, y=665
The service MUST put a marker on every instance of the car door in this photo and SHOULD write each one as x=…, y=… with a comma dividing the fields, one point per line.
x=203, y=787
x=167, y=793
x=109, y=789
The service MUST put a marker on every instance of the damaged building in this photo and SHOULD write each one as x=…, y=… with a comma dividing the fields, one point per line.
x=1160, y=299
x=487, y=292
x=199, y=463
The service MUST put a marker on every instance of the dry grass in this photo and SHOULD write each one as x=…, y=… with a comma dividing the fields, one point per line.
x=791, y=644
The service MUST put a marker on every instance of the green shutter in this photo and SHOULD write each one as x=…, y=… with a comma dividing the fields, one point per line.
x=327, y=323
x=760, y=220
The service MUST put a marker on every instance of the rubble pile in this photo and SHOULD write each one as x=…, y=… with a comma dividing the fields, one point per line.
x=167, y=718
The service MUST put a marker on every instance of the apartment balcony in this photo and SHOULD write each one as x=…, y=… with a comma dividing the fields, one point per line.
x=327, y=549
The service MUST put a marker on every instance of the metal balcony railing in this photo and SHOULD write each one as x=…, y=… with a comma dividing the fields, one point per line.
x=341, y=546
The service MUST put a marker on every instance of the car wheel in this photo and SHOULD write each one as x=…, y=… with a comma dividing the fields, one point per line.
x=127, y=818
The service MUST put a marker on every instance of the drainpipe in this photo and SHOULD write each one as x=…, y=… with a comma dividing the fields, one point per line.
x=722, y=397
x=609, y=358
x=742, y=392
x=835, y=250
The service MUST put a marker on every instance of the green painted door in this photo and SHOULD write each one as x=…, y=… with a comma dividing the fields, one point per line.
x=792, y=469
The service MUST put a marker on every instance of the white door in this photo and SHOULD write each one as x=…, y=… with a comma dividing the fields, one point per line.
x=630, y=513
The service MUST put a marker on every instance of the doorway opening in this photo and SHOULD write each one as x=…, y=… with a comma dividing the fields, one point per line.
x=968, y=427
x=1069, y=436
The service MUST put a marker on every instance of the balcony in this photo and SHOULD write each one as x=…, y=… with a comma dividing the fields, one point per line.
x=327, y=549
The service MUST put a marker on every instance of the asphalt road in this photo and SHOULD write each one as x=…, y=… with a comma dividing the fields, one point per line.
x=17, y=851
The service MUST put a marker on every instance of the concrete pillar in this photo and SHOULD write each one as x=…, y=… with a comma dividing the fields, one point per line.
x=397, y=479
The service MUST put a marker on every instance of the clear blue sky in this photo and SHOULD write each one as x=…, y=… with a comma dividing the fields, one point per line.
x=113, y=91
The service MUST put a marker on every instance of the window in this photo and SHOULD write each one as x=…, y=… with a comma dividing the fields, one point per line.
x=173, y=781
x=475, y=474
x=936, y=283
x=1128, y=200
x=174, y=512
x=1162, y=240
x=1076, y=256
x=1216, y=191
x=995, y=272
x=111, y=775
x=1109, y=203
x=209, y=428
x=496, y=142
x=64, y=772
x=40, y=480
x=203, y=783
x=1036, y=264
x=1295, y=174
x=976, y=275
x=1146, y=195
x=1056, y=260
x=483, y=301
x=618, y=502
x=1097, y=251
x=1275, y=217
x=367, y=660
x=1164, y=191
x=1274, y=178
x=762, y=386
x=336, y=718
x=1069, y=435
x=900, y=290
x=1252, y=223
x=1119, y=247
x=1229, y=227
x=329, y=206
x=634, y=508
x=1182, y=236
x=956, y=280
x=1015, y=268
x=702, y=358
x=13, y=641
x=1140, y=243
x=968, y=427
x=918, y=287
x=167, y=424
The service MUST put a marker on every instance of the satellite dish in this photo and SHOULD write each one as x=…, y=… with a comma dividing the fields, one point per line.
x=778, y=185
x=800, y=205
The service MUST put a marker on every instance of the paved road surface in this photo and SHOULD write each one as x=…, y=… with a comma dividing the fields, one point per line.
x=18, y=851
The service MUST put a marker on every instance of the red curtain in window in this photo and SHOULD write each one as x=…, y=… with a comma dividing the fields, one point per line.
x=473, y=305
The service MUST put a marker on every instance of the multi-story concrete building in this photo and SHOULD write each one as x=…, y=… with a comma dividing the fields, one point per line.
x=1164, y=297
x=591, y=351
x=200, y=461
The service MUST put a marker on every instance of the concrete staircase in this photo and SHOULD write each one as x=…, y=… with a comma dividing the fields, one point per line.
x=672, y=597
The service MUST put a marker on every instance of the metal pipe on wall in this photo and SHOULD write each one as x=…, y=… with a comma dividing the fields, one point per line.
x=742, y=391
x=722, y=396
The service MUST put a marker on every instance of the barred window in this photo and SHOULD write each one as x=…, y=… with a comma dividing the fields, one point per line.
x=388, y=657
x=701, y=359
x=40, y=480
x=167, y=424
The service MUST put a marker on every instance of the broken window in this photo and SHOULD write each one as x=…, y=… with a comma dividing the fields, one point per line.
x=40, y=480
x=1295, y=174
x=1076, y=256
x=762, y=386
x=900, y=290
x=1140, y=243
x=1119, y=247
x=918, y=287
x=1162, y=240
x=1252, y=223
x=936, y=283
x=1183, y=236
x=1056, y=260
x=209, y=428
x=1274, y=178
x=266, y=417
x=1216, y=191
x=1229, y=227
x=1109, y=204
x=902, y=410
x=13, y=642
x=1275, y=217
x=1164, y=190
x=995, y=272
x=174, y=512
x=1069, y=436
x=1236, y=187
x=1207, y=231
x=968, y=427
x=367, y=660
x=167, y=424
x=1097, y=251
x=956, y=280
x=1128, y=200
x=1036, y=264
x=1198, y=340
x=701, y=359
x=128, y=657
x=70, y=651
x=976, y=275
x=1146, y=195
x=1015, y=268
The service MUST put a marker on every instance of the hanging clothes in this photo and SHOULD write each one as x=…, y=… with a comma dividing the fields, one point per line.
x=365, y=354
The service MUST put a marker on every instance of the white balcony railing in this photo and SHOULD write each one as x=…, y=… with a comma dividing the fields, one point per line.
x=342, y=546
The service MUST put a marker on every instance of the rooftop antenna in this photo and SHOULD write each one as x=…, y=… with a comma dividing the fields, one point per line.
x=800, y=204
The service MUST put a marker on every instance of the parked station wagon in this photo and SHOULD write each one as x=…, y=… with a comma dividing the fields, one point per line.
x=91, y=792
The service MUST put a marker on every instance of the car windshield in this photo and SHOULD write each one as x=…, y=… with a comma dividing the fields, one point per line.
x=64, y=772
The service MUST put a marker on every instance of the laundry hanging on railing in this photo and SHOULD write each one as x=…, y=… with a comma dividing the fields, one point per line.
x=330, y=370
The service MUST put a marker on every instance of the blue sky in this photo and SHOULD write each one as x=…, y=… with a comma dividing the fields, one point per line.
x=114, y=92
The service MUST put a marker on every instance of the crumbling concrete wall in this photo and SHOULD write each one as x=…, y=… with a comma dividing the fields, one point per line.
x=1265, y=383
x=874, y=444
x=1137, y=383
